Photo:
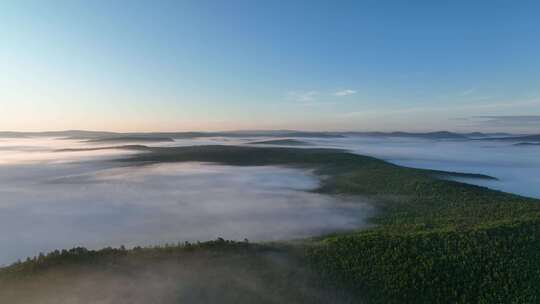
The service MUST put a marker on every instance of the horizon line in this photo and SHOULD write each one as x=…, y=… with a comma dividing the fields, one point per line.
x=267, y=130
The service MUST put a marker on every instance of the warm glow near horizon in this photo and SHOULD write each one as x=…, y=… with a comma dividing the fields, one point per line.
x=206, y=66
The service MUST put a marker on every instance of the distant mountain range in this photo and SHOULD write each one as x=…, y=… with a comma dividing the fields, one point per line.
x=524, y=144
x=120, y=139
x=79, y=134
x=169, y=136
x=111, y=136
x=281, y=142
x=521, y=138
x=430, y=135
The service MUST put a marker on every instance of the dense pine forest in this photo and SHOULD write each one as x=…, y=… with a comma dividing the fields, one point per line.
x=434, y=240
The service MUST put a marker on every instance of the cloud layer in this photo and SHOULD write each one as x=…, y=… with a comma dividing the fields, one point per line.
x=509, y=120
x=50, y=205
x=303, y=96
x=347, y=92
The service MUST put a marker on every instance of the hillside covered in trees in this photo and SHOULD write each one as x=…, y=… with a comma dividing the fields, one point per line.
x=434, y=241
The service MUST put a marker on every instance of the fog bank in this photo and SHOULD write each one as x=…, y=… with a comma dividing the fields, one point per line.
x=60, y=200
x=53, y=200
x=191, y=277
x=517, y=168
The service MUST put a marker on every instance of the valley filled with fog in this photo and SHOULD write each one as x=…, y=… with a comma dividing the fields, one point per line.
x=59, y=193
x=52, y=199
x=516, y=167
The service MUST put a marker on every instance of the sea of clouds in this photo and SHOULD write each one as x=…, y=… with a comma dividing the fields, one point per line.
x=53, y=200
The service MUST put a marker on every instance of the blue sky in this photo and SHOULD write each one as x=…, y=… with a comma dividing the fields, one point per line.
x=312, y=65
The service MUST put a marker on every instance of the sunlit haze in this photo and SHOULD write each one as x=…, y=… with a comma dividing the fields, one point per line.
x=310, y=65
x=269, y=151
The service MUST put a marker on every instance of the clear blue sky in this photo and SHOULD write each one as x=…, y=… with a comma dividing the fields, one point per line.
x=312, y=65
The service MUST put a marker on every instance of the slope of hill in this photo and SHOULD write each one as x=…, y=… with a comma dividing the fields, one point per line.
x=527, y=144
x=281, y=142
x=123, y=139
x=428, y=135
x=522, y=138
x=435, y=241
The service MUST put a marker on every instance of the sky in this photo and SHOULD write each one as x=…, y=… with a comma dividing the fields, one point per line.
x=309, y=65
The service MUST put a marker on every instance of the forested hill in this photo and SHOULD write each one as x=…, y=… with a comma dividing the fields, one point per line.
x=434, y=240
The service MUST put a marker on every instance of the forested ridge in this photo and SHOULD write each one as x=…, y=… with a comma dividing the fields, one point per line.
x=434, y=240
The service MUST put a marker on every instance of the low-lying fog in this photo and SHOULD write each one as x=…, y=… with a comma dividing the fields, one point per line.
x=516, y=167
x=54, y=200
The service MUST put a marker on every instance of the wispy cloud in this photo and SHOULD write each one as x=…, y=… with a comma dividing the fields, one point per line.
x=507, y=120
x=467, y=92
x=484, y=107
x=345, y=92
x=303, y=96
x=314, y=97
